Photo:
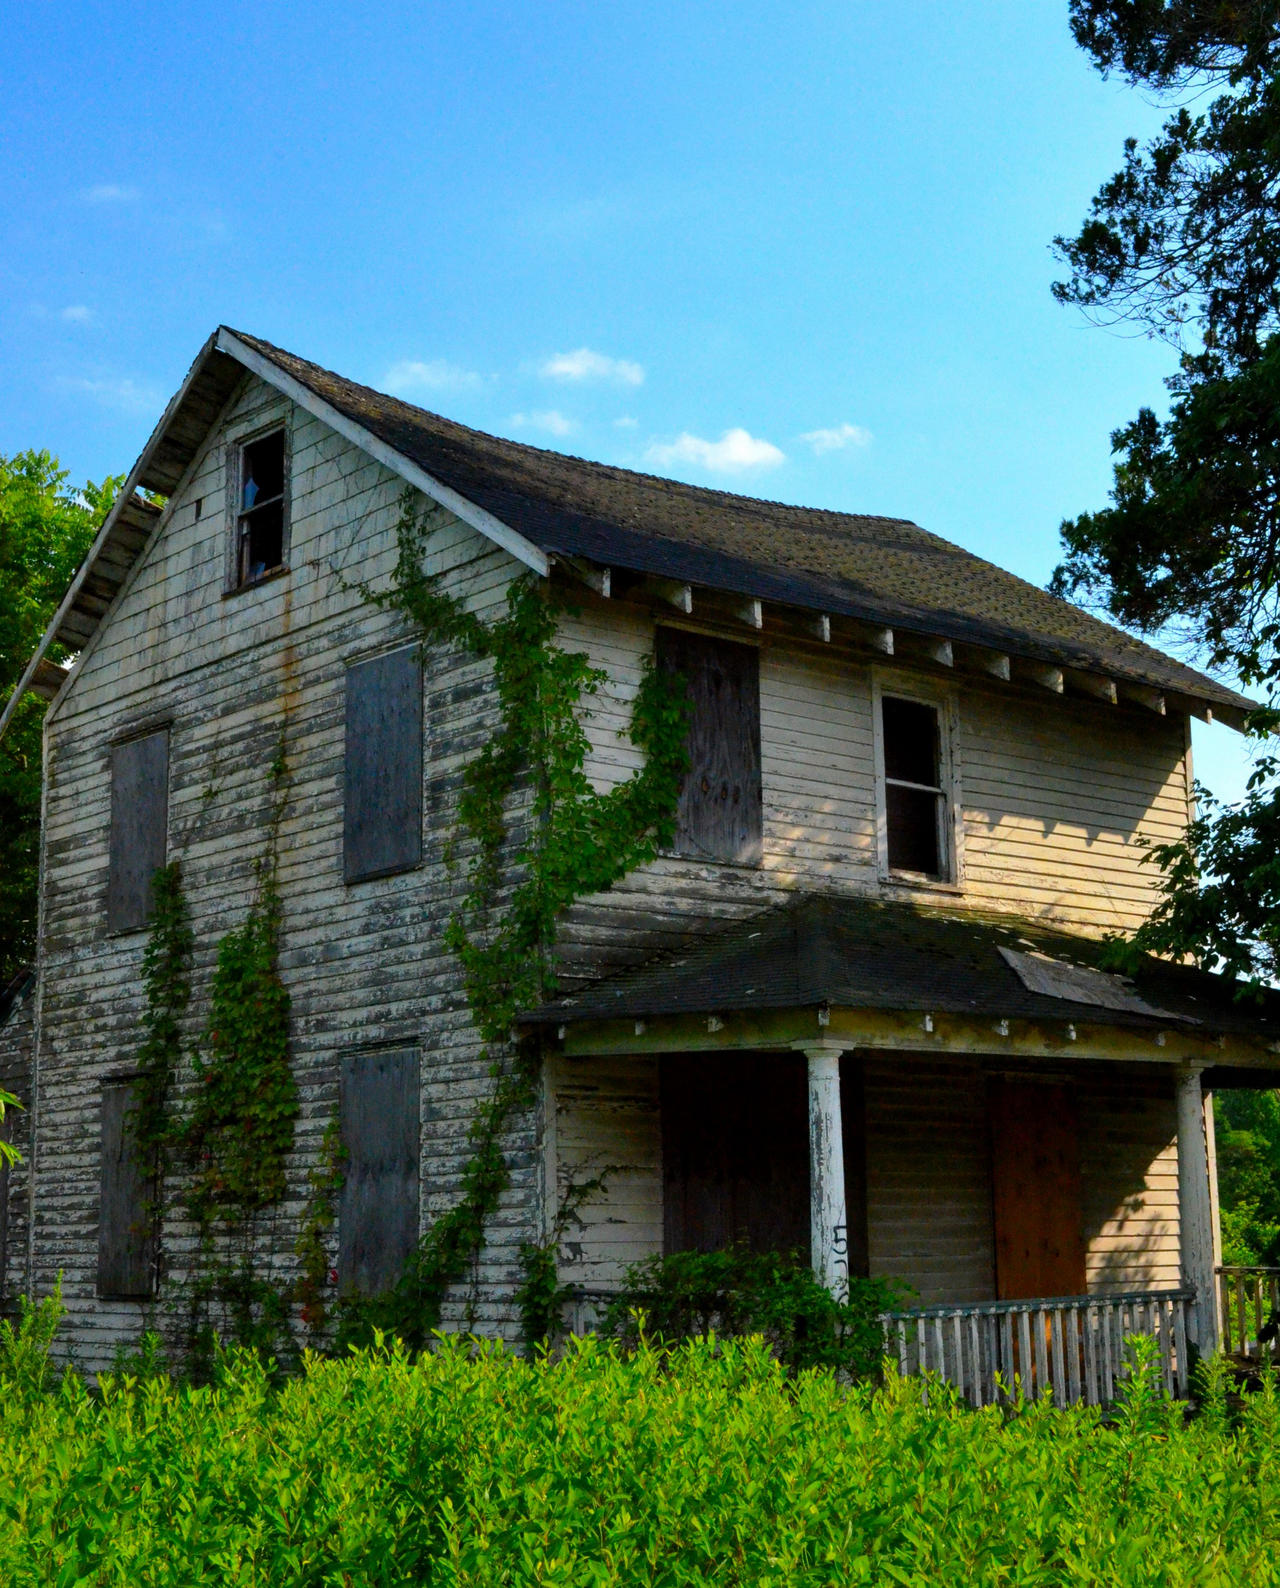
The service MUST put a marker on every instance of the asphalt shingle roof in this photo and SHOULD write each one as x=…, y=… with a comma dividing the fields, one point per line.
x=862, y=953
x=882, y=570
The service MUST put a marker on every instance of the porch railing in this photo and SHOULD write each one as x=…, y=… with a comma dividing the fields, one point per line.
x=1071, y=1346
x=1249, y=1298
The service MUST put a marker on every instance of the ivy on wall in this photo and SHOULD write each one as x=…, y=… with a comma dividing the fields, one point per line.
x=166, y=982
x=527, y=866
x=535, y=836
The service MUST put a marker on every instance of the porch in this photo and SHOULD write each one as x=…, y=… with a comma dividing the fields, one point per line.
x=896, y=1092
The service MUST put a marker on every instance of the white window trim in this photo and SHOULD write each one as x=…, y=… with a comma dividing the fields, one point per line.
x=924, y=692
x=237, y=441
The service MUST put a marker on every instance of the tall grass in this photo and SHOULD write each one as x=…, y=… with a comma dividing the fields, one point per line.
x=699, y=1464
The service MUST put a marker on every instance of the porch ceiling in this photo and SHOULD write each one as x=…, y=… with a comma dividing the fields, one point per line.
x=864, y=972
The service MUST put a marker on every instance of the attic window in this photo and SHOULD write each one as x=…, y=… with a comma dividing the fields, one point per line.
x=915, y=799
x=261, y=497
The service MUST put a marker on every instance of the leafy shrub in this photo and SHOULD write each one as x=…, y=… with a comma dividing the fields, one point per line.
x=25, y=1366
x=736, y=1292
x=701, y=1464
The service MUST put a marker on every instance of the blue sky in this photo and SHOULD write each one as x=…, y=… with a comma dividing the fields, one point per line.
x=800, y=251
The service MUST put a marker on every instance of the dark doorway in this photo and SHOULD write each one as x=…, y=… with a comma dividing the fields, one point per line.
x=1035, y=1180
x=735, y=1151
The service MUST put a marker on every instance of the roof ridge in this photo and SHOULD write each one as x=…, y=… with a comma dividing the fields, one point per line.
x=617, y=469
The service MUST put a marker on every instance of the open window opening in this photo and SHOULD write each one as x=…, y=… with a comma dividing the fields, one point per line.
x=916, y=802
x=260, y=513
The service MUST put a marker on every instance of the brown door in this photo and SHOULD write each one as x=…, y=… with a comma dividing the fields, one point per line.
x=1035, y=1174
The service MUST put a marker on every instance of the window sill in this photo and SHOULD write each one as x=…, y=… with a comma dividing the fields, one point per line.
x=255, y=584
x=917, y=882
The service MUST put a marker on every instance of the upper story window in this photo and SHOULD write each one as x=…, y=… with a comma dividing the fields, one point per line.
x=261, y=494
x=719, y=816
x=139, y=828
x=382, y=766
x=916, y=795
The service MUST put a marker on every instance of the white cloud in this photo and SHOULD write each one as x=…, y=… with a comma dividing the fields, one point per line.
x=585, y=364
x=735, y=452
x=76, y=314
x=436, y=374
x=837, y=438
x=548, y=419
x=110, y=193
x=626, y=422
x=120, y=392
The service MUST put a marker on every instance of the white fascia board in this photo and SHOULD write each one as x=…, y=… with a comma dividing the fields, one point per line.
x=125, y=495
x=411, y=473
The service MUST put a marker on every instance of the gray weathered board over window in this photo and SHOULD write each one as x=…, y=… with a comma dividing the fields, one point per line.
x=719, y=813
x=126, y=1258
x=378, y=1208
x=382, y=810
x=6, y=1134
x=139, y=827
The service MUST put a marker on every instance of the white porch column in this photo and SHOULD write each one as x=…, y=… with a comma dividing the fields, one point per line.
x=1195, y=1207
x=828, y=1220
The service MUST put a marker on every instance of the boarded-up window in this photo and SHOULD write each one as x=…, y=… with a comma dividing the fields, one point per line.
x=126, y=1252
x=6, y=1134
x=735, y=1151
x=382, y=821
x=378, y=1210
x=139, y=828
x=915, y=801
x=719, y=814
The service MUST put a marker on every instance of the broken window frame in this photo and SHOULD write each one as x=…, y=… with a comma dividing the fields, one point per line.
x=946, y=791
x=239, y=527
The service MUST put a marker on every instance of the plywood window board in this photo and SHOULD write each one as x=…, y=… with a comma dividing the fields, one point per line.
x=720, y=810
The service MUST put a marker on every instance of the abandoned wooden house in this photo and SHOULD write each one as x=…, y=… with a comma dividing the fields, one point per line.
x=855, y=1007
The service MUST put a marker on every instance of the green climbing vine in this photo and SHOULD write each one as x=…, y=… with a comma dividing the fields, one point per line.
x=540, y=1295
x=166, y=982
x=534, y=836
x=576, y=840
x=238, y=1131
x=529, y=862
x=315, y=1277
x=233, y=1139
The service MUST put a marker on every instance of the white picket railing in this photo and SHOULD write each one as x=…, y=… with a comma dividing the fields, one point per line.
x=1249, y=1298
x=1071, y=1346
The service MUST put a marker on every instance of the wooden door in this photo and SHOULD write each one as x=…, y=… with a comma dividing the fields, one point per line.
x=735, y=1151
x=1035, y=1175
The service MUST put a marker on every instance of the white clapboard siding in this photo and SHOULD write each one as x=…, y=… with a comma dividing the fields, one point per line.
x=928, y=1157
x=1059, y=797
x=606, y=1123
x=364, y=965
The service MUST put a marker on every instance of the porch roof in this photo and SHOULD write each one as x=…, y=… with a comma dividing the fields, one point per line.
x=893, y=955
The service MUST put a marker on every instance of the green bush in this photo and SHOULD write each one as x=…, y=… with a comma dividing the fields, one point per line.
x=736, y=1292
x=706, y=1463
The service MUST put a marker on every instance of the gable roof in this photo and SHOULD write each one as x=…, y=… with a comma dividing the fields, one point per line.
x=543, y=506
x=880, y=570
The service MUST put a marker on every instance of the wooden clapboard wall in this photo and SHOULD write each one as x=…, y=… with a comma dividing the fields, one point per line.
x=364, y=962
x=927, y=1166
x=1058, y=795
x=16, y=1041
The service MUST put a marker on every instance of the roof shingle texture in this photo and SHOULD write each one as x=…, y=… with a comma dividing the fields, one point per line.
x=881, y=570
x=862, y=953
